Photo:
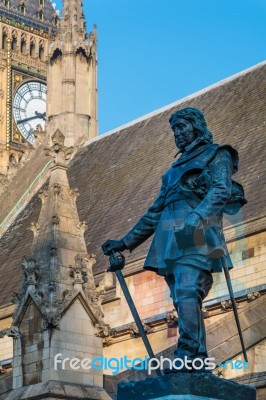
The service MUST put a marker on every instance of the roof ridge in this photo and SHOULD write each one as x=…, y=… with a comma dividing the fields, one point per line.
x=179, y=101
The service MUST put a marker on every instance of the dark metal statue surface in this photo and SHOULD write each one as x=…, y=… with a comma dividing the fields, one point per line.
x=186, y=220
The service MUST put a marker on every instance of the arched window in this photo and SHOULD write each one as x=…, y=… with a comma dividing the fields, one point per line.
x=4, y=40
x=14, y=43
x=40, y=15
x=32, y=49
x=41, y=52
x=23, y=8
x=23, y=46
x=7, y=3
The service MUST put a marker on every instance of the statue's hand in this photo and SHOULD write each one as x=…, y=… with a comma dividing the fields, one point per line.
x=113, y=245
x=191, y=222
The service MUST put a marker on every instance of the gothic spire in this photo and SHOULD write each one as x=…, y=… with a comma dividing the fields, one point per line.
x=72, y=24
x=72, y=78
x=59, y=304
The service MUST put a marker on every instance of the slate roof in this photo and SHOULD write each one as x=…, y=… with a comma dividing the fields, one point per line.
x=31, y=15
x=118, y=175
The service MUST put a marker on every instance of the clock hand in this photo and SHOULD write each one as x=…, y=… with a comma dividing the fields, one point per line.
x=43, y=115
x=38, y=115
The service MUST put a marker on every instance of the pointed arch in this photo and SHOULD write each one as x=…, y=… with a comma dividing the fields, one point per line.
x=41, y=51
x=32, y=47
x=57, y=56
x=23, y=44
x=4, y=39
x=81, y=53
x=14, y=43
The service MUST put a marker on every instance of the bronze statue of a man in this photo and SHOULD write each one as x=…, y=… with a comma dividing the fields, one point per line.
x=186, y=220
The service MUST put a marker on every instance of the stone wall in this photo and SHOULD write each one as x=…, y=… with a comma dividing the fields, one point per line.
x=151, y=294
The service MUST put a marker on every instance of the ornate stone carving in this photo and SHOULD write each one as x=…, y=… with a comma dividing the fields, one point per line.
x=226, y=305
x=74, y=193
x=134, y=332
x=253, y=296
x=104, y=330
x=16, y=298
x=82, y=226
x=95, y=303
x=31, y=271
x=89, y=259
x=58, y=151
x=79, y=271
x=43, y=195
x=51, y=319
x=55, y=220
x=57, y=189
x=14, y=332
x=68, y=295
x=40, y=136
x=52, y=307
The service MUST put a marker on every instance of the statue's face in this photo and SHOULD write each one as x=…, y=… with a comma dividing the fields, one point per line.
x=184, y=133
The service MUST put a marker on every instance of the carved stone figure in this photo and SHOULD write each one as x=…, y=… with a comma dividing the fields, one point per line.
x=186, y=220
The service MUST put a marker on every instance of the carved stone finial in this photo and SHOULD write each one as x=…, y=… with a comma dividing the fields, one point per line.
x=31, y=270
x=58, y=138
x=58, y=151
x=79, y=271
x=39, y=134
x=43, y=194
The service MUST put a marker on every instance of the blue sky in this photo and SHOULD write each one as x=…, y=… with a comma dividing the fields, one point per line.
x=154, y=52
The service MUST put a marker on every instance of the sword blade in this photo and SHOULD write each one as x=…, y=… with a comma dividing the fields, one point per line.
x=136, y=317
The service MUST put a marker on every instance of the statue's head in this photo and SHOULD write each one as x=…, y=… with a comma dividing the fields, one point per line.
x=196, y=119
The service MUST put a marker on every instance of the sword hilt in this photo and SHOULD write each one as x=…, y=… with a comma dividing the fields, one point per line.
x=117, y=262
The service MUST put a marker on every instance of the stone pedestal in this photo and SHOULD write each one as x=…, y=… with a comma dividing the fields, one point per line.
x=185, y=386
x=52, y=390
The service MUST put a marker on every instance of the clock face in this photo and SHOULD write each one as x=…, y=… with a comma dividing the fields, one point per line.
x=29, y=108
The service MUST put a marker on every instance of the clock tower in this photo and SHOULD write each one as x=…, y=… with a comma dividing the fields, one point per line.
x=26, y=29
x=34, y=43
x=71, y=79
